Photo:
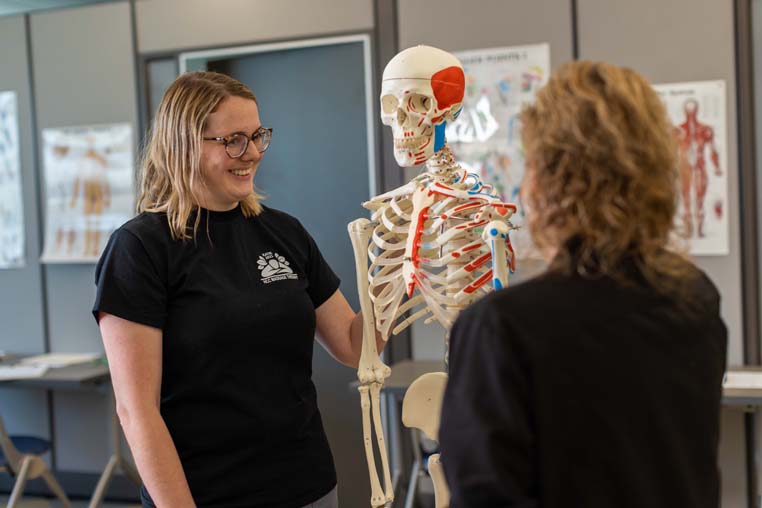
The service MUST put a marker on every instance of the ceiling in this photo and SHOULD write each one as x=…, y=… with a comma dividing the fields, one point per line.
x=9, y=7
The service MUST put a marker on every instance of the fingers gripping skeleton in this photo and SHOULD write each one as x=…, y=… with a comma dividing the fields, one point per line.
x=431, y=247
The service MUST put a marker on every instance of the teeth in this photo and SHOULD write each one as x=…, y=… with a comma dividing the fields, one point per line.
x=240, y=172
x=410, y=143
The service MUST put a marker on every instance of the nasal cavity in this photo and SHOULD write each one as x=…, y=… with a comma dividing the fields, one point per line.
x=401, y=117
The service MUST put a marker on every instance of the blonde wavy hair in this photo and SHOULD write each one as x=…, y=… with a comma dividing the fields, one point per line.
x=602, y=163
x=170, y=166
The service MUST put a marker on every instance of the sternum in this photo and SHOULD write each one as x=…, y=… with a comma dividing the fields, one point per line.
x=422, y=200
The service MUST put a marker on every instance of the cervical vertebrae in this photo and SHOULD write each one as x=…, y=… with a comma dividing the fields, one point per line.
x=434, y=245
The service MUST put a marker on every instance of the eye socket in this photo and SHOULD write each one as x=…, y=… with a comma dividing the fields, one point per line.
x=389, y=104
x=419, y=103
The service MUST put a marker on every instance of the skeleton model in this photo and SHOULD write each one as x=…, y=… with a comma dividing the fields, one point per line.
x=431, y=247
x=694, y=138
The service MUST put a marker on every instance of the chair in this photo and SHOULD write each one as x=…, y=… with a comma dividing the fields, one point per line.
x=21, y=456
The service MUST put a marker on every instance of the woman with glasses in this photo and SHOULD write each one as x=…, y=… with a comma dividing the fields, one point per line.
x=208, y=303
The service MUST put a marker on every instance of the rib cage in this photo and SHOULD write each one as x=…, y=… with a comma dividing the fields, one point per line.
x=439, y=294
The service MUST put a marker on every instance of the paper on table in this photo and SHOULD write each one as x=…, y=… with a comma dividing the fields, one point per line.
x=54, y=360
x=8, y=372
x=742, y=380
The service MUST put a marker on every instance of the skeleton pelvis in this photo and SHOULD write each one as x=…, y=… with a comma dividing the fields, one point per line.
x=422, y=405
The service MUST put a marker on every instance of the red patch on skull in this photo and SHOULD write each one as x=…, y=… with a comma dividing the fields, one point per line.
x=449, y=85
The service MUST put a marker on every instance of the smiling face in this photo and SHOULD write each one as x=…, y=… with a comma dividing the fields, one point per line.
x=227, y=181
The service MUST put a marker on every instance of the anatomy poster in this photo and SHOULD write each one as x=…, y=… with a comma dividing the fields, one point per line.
x=89, y=189
x=11, y=205
x=698, y=112
x=486, y=136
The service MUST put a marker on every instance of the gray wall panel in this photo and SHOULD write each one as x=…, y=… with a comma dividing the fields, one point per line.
x=84, y=74
x=454, y=25
x=686, y=40
x=82, y=422
x=21, y=302
x=702, y=48
x=182, y=24
x=20, y=289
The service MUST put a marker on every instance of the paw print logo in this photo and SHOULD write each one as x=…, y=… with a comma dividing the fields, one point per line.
x=273, y=264
x=281, y=260
x=261, y=263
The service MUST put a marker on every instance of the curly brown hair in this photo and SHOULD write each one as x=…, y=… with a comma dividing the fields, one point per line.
x=602, y=169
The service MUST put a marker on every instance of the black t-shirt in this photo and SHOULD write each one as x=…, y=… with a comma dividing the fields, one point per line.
x=567, y=391
x=237, y=311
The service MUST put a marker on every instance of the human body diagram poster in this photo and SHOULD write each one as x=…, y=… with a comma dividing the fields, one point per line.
x=11, y=204
x=89, y=189
x=698, y=112
x=486, y=136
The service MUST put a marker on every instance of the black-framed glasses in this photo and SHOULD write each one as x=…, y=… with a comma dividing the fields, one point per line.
x=237, y=143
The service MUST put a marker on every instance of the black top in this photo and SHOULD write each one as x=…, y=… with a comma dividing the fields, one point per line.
x=566, y=391
x=238, y=322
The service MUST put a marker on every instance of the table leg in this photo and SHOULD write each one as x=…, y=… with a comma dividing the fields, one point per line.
x=752, y=456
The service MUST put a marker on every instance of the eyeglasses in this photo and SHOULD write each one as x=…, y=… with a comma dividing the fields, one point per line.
x=237, y=143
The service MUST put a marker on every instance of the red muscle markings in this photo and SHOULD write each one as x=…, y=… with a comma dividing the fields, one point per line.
x=422, y=216
x=449, y=85
x=503, y=209
x=476, y=263
x=512, y=260
x=471, y=204
x=411, y=286
x=478, y=282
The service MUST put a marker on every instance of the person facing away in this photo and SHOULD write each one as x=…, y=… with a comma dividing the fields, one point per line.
x=598, y=383
x=208, y=303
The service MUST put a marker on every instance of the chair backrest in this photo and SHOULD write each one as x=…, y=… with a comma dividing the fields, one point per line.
x=12, y=455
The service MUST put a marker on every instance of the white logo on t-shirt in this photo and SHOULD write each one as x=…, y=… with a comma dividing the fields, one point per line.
x=274, y=267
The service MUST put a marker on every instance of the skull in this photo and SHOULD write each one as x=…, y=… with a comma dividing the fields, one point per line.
x=422, y=89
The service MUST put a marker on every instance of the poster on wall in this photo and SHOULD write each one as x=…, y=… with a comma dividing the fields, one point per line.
x=486, y=136
x=698, y=112
x=11, y=204
x=89, y=189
